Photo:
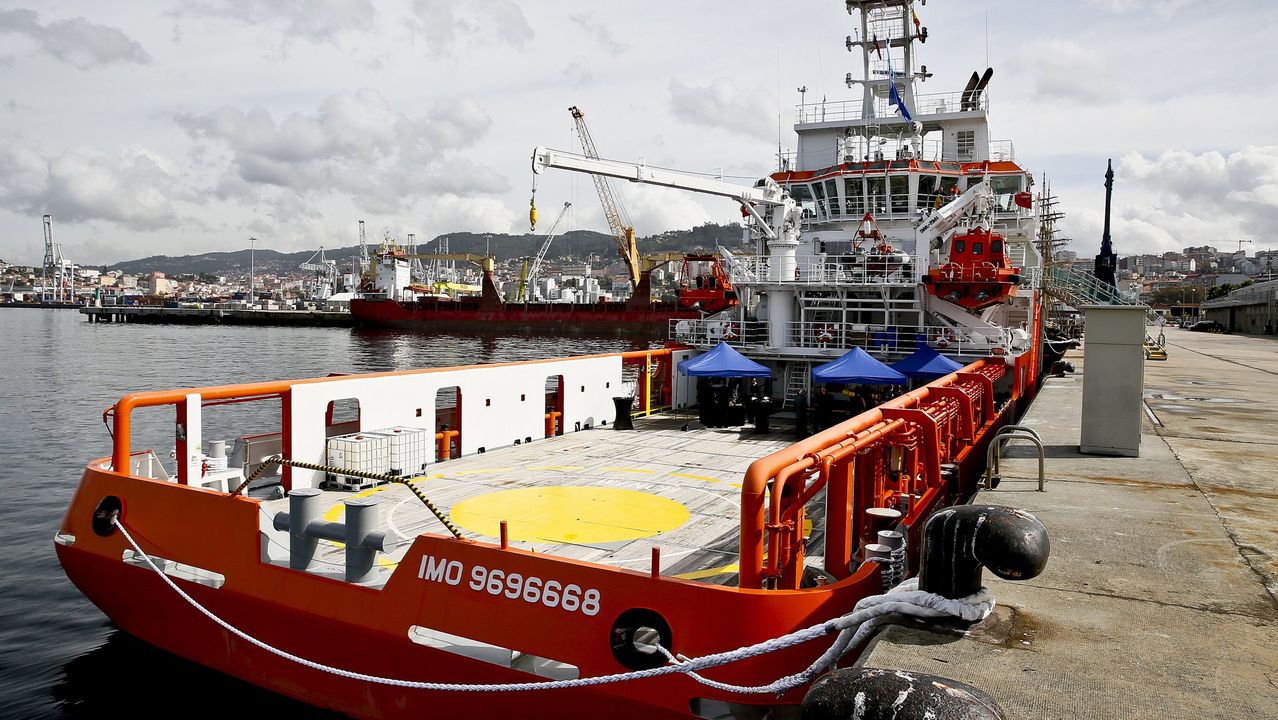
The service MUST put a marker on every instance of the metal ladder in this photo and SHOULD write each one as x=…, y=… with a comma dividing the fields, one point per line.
x=797, y=377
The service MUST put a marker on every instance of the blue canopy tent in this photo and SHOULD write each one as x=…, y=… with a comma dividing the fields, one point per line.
x=926, y=364
x=857, y=366
x=723, y=361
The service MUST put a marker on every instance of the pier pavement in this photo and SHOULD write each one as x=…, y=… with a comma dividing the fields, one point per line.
x=1159, y=600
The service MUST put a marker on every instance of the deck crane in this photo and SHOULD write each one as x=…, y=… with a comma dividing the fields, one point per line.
x=530, y=279
x=773, y=210
x=623, y=232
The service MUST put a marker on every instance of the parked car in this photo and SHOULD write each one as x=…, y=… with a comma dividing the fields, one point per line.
x=1208, y=326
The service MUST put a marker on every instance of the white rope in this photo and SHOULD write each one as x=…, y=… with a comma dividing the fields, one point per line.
x=868, y=613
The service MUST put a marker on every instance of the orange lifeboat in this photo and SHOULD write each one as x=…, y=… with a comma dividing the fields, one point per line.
x=978, y=274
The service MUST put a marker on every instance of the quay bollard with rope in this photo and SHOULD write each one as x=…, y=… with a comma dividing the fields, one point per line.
x=1013, y=544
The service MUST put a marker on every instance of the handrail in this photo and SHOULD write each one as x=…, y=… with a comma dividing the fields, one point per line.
x=993, y=453
x=124, y=407
x=766, y=478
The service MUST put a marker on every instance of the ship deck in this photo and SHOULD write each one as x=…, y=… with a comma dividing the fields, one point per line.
x=601, y=496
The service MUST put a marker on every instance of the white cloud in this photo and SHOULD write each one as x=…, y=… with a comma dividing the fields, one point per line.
x=600, y=31
x=454, y=213
x=724, y=105
x=77, y=41
x=1063, y=70
x=1162, y=7
x=316, y=20
x=354, y=143
x=484, y=22
x=1180, y=199
x=133, y=187
x=654, y=210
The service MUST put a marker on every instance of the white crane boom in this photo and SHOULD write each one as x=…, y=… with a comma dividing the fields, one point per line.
x=976, y=199
x=541, y=254
x=765, y=192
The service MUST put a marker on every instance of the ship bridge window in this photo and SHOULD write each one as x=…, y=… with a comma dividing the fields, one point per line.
x=832, y=194
x=1005, y=188
x=800, y=193
x=996, y=247
x=948, y=187
x=960, y=247
x=854, y=196
x=978, y=248
x=928, y=197
x=818, y=192
x=900, y=185
x=876, y=189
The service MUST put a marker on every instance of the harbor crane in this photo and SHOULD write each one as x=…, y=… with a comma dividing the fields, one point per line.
x=530, y=279
x=56, y=269
x=325, y=274
x=623, y=231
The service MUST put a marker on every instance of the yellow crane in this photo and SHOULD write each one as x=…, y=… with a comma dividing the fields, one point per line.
x=622, y=232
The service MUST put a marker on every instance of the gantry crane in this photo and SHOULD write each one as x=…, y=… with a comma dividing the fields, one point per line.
x=530, y=278
x=623, y=232
x=325, y=274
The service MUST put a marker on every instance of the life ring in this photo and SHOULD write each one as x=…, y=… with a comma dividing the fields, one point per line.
x=944, y=338
x=730, y=331
x=823, y=334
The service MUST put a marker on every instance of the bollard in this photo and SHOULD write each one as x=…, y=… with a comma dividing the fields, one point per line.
x=623, y=421
x=875, y=694
x=306, y=529
x=304, y=507
x=959, y=541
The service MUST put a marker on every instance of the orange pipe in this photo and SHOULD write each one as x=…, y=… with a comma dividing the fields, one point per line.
x=755, y=484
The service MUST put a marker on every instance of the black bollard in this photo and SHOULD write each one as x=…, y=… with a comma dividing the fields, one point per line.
x=959, y=541
x=623, y=421
x=874, y=694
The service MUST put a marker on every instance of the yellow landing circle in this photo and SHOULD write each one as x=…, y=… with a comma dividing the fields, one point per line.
x=570, y=514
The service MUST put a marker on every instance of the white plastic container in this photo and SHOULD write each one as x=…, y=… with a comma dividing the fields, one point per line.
x=366, y=452
x=409, y=449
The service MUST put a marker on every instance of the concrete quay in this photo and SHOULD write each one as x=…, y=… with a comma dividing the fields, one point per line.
x=1159, y=600
x=216, y=316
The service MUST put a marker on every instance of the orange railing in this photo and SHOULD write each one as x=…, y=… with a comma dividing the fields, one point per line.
x=655, y=380
x=891, y=456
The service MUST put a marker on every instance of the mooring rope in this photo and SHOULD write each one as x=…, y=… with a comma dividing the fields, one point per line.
x=851, y=628
x=407, y=482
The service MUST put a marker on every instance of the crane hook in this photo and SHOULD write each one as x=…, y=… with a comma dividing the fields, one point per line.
x=532, y=206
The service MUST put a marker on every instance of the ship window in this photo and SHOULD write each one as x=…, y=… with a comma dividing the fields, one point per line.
x=978, y=248
x=854, y=193
x=900, y=193
x=800, y=193
x=948, y=186
x=832, y=192
x=996, y=246
x=927, y=191
x=877, y=191
x=966, y=144
x=960, y=247
x=818, y=192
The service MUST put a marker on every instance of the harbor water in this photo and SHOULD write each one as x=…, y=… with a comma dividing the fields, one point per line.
x=59, y=656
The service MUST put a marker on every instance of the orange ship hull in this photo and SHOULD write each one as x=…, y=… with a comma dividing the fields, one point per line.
x=217, y=540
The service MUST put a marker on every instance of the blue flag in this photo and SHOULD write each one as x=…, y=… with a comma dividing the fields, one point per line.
x=894, y=97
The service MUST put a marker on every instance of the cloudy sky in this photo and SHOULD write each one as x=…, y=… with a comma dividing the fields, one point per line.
x=151, y=127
